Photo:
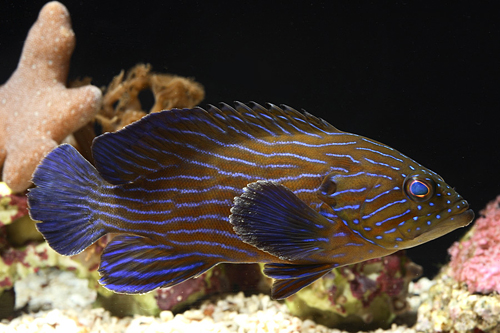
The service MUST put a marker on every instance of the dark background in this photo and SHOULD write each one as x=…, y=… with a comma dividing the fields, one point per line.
x=419, y=76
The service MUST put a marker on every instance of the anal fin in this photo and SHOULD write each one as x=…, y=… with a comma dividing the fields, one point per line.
x=290, y=278
x=136, y=265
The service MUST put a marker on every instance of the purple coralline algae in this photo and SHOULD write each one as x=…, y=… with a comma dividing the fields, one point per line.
x=475, y=260
x=12, y=206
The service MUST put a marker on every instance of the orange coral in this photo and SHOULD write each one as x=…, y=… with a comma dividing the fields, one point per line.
x=121, y=104
x=37, y=110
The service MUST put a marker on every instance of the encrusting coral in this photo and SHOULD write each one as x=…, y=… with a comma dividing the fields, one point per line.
x=475, y=260
x=366, y=295
x=37, y=110
x=12, y=207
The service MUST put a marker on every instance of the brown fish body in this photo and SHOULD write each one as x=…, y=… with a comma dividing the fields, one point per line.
x=205, y=204
x=188, y=189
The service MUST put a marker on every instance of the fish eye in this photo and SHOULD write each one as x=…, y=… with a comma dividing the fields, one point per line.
x=419, y=188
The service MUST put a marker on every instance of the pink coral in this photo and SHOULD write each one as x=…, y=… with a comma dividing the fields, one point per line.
x=476, y=259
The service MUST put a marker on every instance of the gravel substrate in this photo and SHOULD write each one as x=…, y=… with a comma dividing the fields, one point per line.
x=58, y=301
x=235, y=313
x=53, y=289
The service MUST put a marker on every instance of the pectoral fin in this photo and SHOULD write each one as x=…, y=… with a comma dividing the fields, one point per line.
x=272, y=218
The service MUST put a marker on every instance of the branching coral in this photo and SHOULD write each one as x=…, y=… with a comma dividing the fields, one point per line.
x=37, y=110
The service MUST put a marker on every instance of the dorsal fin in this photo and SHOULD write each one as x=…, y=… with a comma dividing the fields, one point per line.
x=163, y=139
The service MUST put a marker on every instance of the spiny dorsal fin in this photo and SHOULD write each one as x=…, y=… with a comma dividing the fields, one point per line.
x=163, y=139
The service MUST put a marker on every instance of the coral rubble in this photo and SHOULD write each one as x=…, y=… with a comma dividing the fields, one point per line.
x=37, y=110
x=450, y=307
x=50, y=288
x=475, y=260
x=234, y=313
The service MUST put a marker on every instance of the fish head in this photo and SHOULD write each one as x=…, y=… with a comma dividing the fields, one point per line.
x=395, y=207
x=435, y=210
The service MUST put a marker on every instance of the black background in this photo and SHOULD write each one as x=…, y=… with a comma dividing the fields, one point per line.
x=422, y=77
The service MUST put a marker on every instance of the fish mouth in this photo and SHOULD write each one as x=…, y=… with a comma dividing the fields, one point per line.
x=460, y=216
x=462, y=219
x=452, y=222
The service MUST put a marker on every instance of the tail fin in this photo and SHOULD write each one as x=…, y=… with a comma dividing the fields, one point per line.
x=65, y=201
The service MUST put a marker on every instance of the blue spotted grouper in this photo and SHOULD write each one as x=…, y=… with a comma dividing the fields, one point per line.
x=184, y=190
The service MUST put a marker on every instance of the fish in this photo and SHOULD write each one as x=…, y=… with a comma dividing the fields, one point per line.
x=183, y=190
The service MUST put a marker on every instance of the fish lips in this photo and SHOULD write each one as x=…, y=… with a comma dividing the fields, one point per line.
x=465, y=218
x=445, y=226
